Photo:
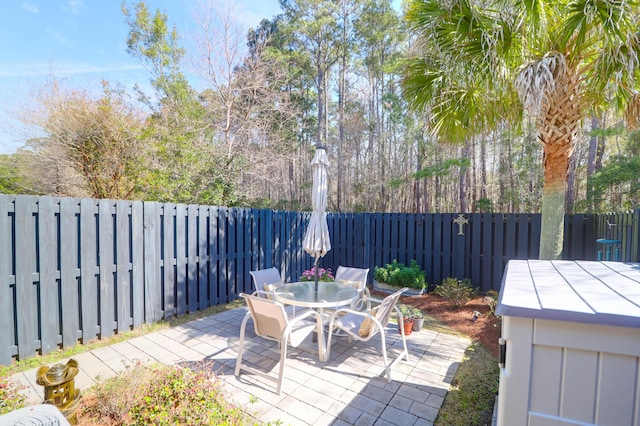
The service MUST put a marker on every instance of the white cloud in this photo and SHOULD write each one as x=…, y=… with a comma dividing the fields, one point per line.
x=76, y=7
x=12, y=70
x=31, y=8
x=56, y=35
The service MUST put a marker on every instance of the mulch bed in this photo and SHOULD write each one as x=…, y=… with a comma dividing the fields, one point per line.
x=486, y=328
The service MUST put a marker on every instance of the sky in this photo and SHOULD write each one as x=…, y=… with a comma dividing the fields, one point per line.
x=81, y=42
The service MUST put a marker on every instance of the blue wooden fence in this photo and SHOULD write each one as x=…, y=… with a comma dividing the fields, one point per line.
x=73, y=270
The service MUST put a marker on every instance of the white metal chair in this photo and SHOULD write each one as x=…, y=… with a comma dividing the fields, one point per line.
x=356, y=278
x=262, y=277
x=267, y=280
x=272, y=323
x=363, y=326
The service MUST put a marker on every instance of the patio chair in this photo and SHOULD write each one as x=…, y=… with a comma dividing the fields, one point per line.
x=272, y=323
x=262, y=277
x=265, y=281
x=363, y=326
x=356, y=278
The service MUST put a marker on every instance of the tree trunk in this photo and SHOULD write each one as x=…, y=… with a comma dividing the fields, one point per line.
x=320, y=84
x=342, y=89
x=512, y=179
x=571, y=182
x=483, y=165
x=463, y=181
x=558, y=125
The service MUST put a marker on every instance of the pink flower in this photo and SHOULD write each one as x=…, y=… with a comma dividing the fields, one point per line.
x=323, y=274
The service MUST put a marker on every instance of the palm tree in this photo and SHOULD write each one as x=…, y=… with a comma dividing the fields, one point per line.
x=472, y=59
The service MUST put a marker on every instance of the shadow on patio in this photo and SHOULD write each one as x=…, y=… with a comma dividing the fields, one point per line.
x=348, y=389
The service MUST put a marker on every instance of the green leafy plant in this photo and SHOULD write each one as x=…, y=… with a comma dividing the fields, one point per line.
x=163, y=395
x=10, y=397
x=456, y=292
x=398, y=275
x=409, y=311
x=491, y=298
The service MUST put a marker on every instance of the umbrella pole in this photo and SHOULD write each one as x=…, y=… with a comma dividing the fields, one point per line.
x=316, y=267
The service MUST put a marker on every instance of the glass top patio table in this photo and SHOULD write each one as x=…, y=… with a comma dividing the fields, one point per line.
x=329, y=294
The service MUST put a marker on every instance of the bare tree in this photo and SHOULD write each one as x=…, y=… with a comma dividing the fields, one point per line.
x=88, y=146
x=248, y=112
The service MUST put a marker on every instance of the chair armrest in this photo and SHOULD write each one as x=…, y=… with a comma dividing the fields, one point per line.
x=376, y=301
x=365, y=299
x=339, y=312
x=304, y=314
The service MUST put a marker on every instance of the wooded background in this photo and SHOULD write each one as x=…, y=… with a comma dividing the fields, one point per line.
x=234, y=117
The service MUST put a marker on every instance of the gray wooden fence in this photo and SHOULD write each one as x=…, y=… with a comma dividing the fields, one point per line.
x=73, y=270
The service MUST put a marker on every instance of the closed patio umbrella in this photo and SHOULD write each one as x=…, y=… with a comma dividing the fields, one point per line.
x=316, y=240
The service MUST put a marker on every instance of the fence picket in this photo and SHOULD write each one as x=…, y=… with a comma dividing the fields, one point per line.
x=214, y=256
x=105, y=261
x=436, y=264
x=447, y=247
x=191, y=257
x=49, y=278
x=203, y=259
x=87, y=240
x=137, y=263
x=26, y=294
x=169, y=260
x=152, y=279
x=123, y=266
x=182, y=277
x=427, y=255
x=72, y=254
x=498, y=240
x=223, y=290
x=8, y=346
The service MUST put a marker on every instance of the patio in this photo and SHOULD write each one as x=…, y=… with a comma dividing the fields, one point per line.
x=349, y=389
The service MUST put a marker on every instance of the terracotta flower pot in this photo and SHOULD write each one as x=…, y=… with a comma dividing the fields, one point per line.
x=408, y=325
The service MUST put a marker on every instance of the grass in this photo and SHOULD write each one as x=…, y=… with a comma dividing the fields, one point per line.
x=52, y=357
x=473, y=391
x=469, y=402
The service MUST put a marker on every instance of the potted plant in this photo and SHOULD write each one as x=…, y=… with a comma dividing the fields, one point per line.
x=418, y=319
x=407, y=321
x=324, y=275
x=394, y=275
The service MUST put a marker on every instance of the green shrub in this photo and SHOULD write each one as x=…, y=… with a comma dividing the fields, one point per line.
x=398, y=275
x=491, y=298
x=409, y=311
x=456, y=292
x=162, y=395
x=10, y=397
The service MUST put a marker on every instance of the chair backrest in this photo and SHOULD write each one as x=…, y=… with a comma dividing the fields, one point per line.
x=269, y=317
x=386, y=308
x=346, y=273
x=265, y=276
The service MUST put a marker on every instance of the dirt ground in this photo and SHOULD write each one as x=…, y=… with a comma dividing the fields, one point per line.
x=485, y=329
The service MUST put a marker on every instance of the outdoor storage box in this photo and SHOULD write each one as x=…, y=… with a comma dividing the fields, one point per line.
x=571, y=342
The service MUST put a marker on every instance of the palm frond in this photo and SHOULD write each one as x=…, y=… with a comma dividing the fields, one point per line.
x=590, y=24
x=537, y=80
x=632, y=114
